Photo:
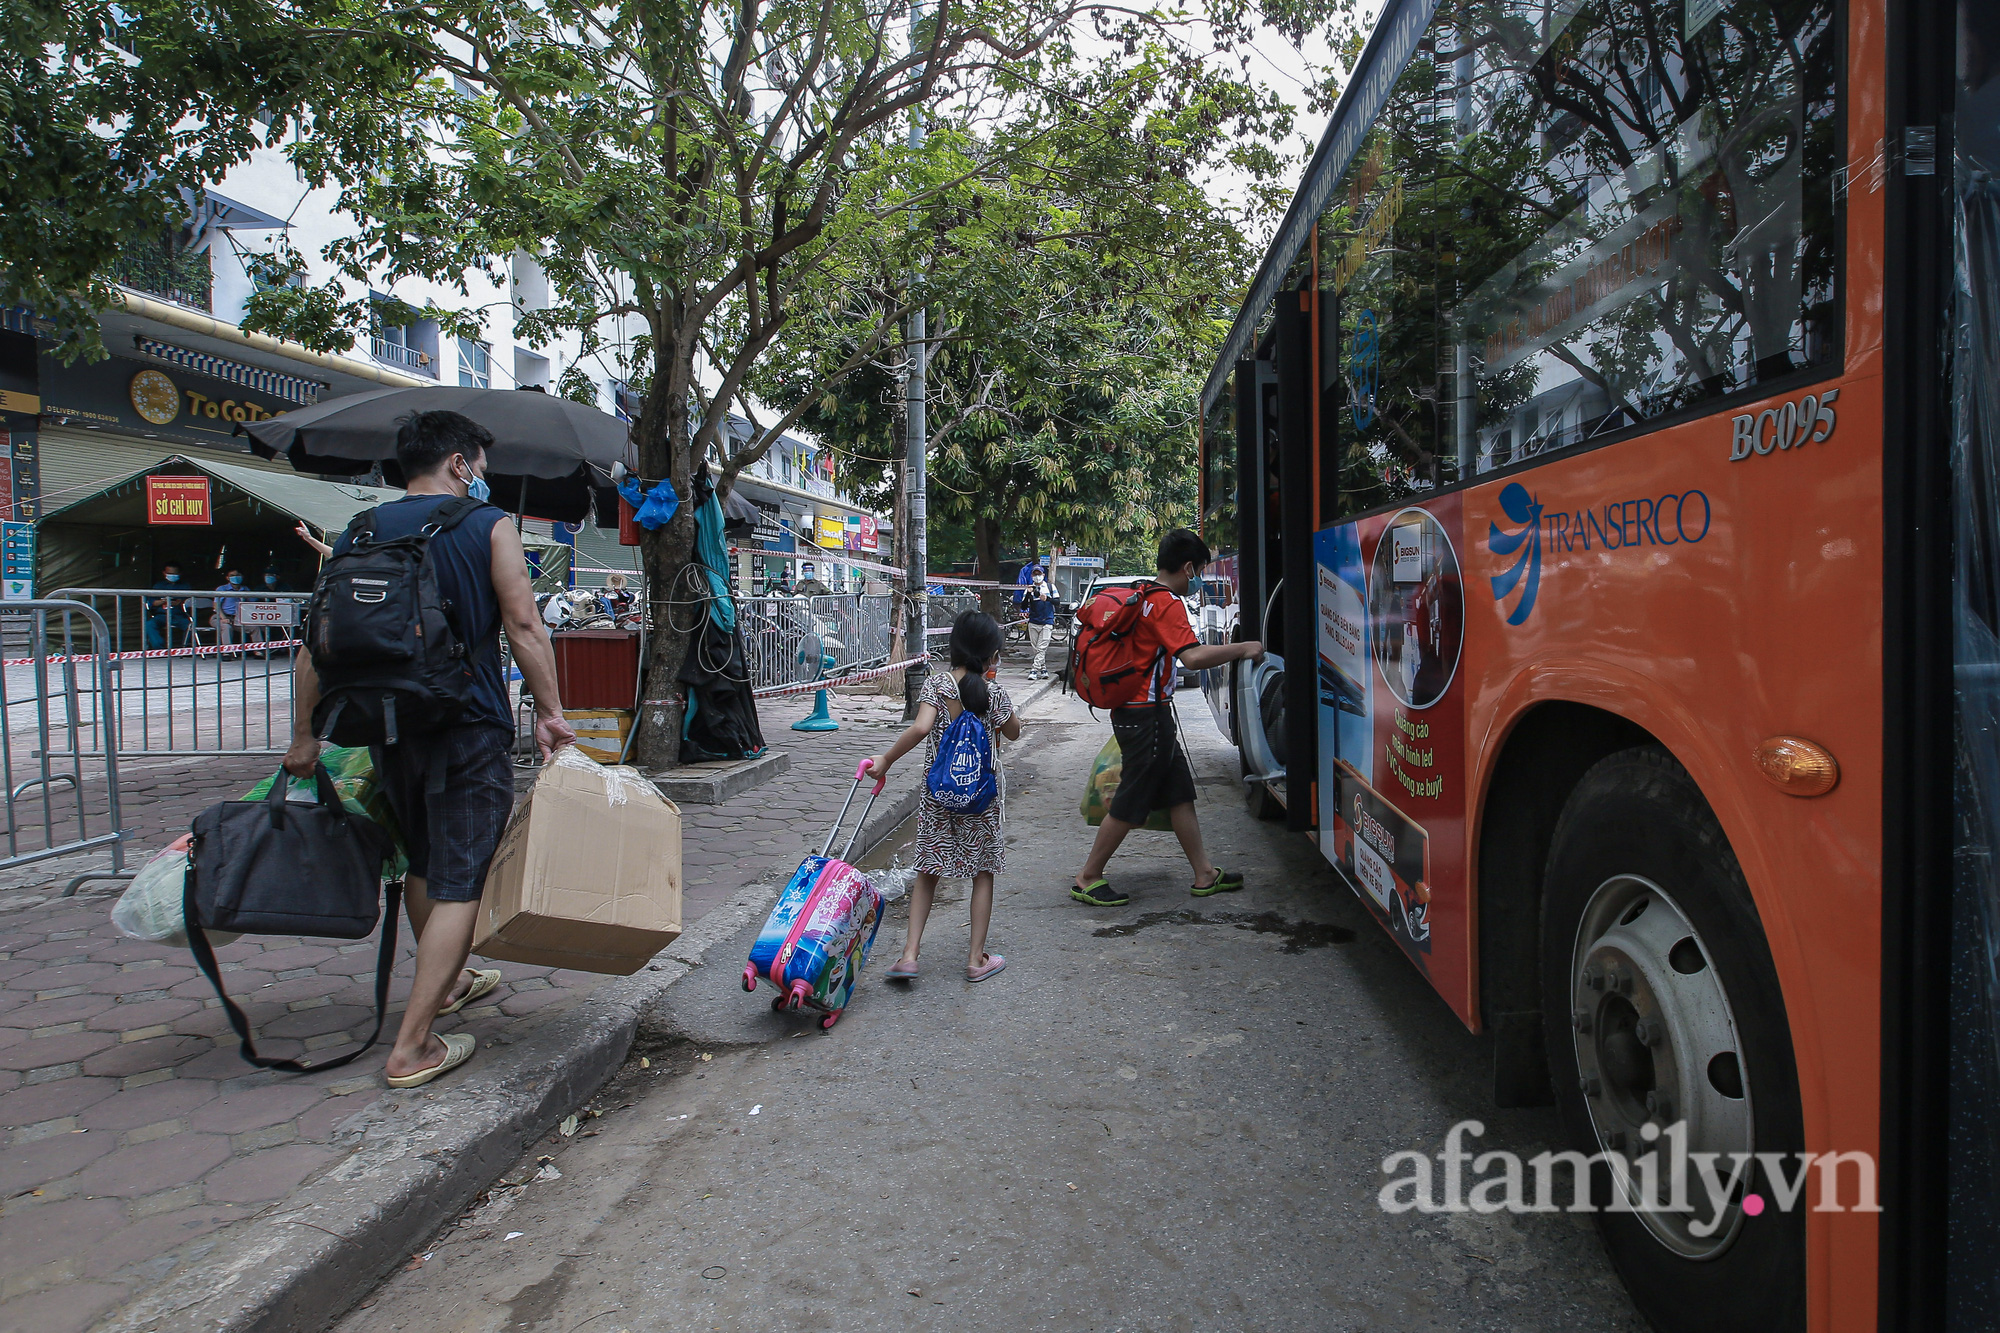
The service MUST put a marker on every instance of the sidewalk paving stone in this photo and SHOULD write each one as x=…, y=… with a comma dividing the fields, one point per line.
x=130, y=1129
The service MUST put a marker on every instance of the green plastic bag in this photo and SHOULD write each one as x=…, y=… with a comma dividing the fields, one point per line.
x=1097, y=791
x=353, y=773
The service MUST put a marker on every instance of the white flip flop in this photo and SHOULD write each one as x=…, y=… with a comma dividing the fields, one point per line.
x=484, y=982
x=458, y=1048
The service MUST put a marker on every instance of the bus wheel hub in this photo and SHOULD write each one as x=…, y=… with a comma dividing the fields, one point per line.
x=1658, y=1060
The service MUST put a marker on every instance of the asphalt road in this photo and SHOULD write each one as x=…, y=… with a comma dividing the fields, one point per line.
x=1168, y=1116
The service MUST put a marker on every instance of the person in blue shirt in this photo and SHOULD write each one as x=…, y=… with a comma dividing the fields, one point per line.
x=1039, y=601
x=273, y=582
x=226, y=608
x=167, y=623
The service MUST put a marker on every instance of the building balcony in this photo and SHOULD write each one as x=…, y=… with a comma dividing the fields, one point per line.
x=402, y=357
x=159, y=270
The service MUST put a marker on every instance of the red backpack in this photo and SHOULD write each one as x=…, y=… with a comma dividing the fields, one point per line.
x=1108, y=668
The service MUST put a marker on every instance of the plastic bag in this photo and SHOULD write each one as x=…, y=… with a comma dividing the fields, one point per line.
x=651, y=509
x=151, y=908
x=353, y=773
x=1105, y=773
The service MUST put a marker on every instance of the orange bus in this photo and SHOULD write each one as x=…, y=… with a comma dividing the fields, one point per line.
x=1607, y=450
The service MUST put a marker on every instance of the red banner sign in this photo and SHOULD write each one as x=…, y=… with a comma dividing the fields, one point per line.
x=177, y=500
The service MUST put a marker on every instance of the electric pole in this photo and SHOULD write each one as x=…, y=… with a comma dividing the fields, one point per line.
x=916, y=636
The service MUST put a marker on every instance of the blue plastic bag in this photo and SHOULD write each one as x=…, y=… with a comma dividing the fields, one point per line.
x=656, y=508
x=961, y=776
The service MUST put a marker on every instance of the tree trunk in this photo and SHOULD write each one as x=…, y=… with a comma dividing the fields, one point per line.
x=665, y=554
x=986, y=553
x=664, y=434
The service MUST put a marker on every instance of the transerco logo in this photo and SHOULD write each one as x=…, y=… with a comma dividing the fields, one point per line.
x=1526, y=570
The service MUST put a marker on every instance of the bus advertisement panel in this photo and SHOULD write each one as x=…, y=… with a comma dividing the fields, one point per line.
x=1392, y=732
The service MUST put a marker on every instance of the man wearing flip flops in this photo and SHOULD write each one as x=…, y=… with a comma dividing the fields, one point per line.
x=1157, y=775
x=451, y=834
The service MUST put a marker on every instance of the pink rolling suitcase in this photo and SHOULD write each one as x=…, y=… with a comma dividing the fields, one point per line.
x=816, y=940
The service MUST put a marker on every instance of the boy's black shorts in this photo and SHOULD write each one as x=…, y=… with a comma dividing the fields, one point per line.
x=1157, y=775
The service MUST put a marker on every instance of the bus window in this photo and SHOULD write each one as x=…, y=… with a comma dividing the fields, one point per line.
x=1218, y=471
x=1572, y=219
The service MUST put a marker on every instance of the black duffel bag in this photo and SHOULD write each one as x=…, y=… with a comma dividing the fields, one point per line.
x=278, y=867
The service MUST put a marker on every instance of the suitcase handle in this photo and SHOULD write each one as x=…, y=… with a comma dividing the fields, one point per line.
x=860, y=775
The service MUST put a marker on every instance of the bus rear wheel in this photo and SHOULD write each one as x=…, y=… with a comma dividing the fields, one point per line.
x=1662, y=1009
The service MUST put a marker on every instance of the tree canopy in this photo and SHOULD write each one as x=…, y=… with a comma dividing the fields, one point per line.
x=702, y=185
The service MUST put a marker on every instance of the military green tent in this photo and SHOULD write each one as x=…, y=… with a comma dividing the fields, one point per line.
x=103, y=540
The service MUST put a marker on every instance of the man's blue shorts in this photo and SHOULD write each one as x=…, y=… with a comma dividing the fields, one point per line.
x=451, y=835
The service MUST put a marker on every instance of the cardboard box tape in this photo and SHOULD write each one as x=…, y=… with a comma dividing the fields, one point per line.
x=588, y=873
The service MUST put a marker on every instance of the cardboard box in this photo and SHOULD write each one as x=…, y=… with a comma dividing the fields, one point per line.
x=588, y=873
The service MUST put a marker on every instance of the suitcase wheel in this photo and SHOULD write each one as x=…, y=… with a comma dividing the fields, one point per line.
x=783, y=1002
x=831, y=1019
x=799, y=992
x=749, y=976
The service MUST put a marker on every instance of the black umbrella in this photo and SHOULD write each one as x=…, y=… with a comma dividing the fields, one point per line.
x=548, y=457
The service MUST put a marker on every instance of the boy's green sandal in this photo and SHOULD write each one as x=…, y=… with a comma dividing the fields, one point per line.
x=1226, y=881
x=1099, y=894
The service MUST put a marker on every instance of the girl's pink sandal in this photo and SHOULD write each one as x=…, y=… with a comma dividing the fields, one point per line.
x=897, y=972
x=994, y=962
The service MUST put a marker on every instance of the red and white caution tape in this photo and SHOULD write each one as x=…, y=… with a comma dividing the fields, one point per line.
x=826, y=553
x=200, y=650
x=873, y=673
x=957, y=582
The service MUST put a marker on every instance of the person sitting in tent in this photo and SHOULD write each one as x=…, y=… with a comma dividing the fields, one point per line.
x=167, y=622
x=273, y=581
x=227, y=609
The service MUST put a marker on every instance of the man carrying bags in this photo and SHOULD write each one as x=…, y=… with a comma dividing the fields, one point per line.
x=431, y=704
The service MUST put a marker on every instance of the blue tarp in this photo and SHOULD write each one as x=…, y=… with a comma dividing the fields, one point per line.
x=714, y=559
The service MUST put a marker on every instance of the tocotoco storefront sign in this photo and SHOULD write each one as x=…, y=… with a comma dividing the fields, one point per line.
x=150, y=400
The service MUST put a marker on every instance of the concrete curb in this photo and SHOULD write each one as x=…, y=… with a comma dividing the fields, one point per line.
x=418, y=1159
x=693, y=786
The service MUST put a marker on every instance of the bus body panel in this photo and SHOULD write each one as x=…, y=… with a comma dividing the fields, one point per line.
x=1756, y=611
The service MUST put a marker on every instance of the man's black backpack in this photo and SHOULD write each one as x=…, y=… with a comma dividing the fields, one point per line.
x=391, y=663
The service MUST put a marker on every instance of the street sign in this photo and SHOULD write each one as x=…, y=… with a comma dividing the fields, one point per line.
x=267, y=613
x=17, y=562
x=177, y=500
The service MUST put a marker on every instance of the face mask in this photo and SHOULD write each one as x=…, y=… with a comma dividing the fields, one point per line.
x=476, y=487
x=1194, y=586
x=235, y=580
x=173, y=578
x=270, y=580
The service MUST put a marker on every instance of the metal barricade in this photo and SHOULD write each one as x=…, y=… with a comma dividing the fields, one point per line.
x=195, y=678
x=789, y=639
x=60, y=778
x=944, y=607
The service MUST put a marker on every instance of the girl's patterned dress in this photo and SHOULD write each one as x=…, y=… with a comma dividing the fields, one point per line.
x=961, y=846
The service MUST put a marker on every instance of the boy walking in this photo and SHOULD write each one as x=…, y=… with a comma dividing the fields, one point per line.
x=1157, y=775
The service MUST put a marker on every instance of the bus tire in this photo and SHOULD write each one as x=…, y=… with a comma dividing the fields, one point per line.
x=1661, y=1005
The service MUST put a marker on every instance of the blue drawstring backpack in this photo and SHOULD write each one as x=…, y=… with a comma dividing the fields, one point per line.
x=961, y=777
